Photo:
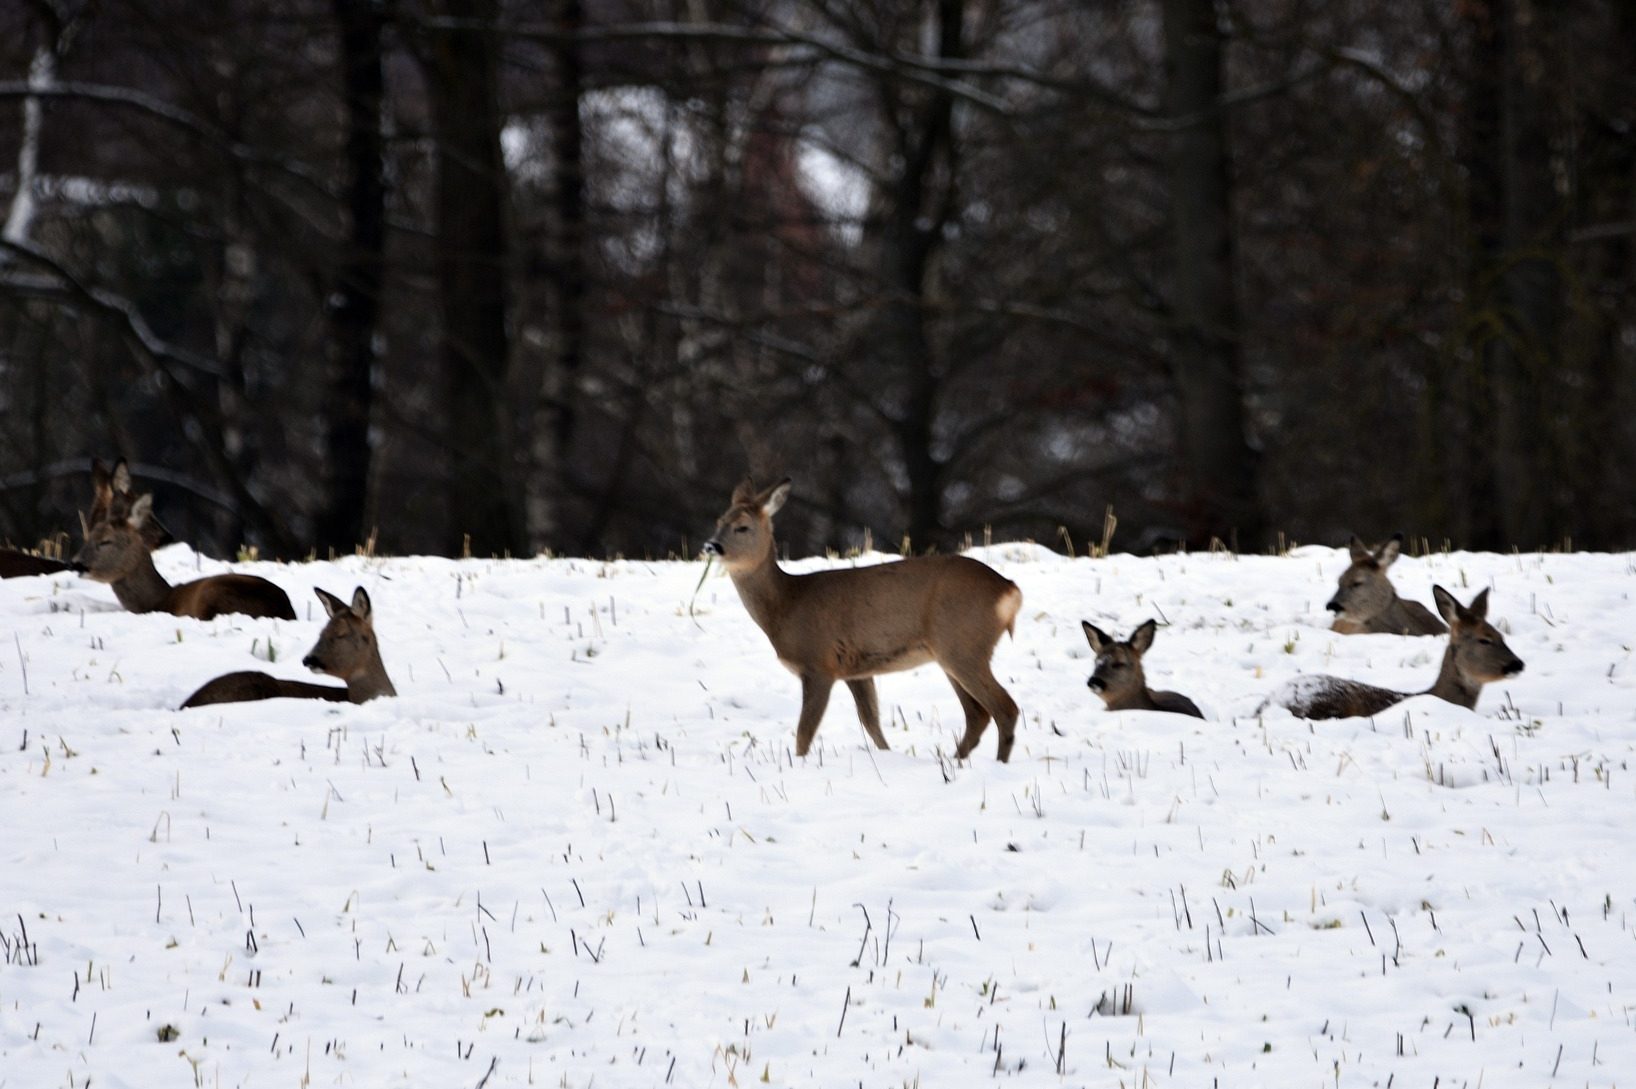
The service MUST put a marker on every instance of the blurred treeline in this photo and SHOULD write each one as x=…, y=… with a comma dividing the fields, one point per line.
x=557, y=274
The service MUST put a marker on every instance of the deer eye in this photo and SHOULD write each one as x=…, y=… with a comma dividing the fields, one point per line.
x=741, y=529
x=1486, y=642
x=1356, y=583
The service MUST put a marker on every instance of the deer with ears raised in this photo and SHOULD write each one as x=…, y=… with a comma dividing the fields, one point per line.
x=346, y=648
x=118, y=551
x=1476, y=655
x=1119, y=679
x=1365, y=600
x=15, y=563
x=853, y=624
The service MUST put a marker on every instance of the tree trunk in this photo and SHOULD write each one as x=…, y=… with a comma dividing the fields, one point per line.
x=557, y=418
x=1219, y=492
x=912, y=234
x=355, y=313
x=463, y=79
x=1518, y=288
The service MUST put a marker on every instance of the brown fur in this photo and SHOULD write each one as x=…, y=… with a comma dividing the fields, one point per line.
x=1476, y=655
x=851, y=625
x=1366, y=602
x=117, y=552
x=1119, y=678
x=346, y=648
x=18, y=564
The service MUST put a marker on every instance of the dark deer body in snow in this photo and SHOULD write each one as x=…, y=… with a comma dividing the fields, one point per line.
x=1119, y=678
x=346, y=648
x=1365, y=600
x=850, y=625
x=1476, y=655
x=118, y=551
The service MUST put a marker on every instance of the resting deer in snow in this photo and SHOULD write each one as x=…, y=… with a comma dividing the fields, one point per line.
x=1476, y=655
x=1366, y=602
x=346, y=648
x=850, y=625
x=1119, y=679
x=15, y=563
x=117, y=551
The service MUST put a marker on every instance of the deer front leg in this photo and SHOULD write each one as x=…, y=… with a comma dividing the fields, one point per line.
x=863, y=694
x=814, y=698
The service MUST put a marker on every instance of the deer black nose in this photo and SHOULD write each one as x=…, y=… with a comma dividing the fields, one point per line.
x=1513, y=667
x=1096, y=684
x=312, y=661
x=712, y=547
x=1334, y=605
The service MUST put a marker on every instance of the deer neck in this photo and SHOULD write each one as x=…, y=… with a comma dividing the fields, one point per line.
x=763, y=588
x=144, y=590
x=1139, y=698
x=1452, y=686
x=371, y=681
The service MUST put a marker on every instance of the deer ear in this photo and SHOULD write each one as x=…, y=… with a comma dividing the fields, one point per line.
x=1359, y=550
x=361, y=607
x=141, y=510
x=773, y=498
x=332, y=604
x=745, y=493
x=121, y=476
x=1451, y=609
x=1387, y=554
x=1478, y=609
x=1142, y=638
x=1095, y=636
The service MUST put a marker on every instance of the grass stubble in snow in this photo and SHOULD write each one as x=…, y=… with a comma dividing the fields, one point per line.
x=576, y=851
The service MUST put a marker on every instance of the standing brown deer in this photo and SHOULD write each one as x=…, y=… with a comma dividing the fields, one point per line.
x=850, y=625
x=346, y=648
x=117, y=552
x=1476, y=655
x=1366, y=602
x=1119, y=679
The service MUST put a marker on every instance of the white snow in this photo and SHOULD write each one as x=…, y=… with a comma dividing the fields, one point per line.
x=576, y=850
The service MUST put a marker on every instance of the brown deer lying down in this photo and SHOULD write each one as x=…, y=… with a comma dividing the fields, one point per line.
x=1477, y=655
x=1366, y=602
x=850, y=625
x=15, y=563
x=346, y=648
x=1119, y=679
x=117, y=552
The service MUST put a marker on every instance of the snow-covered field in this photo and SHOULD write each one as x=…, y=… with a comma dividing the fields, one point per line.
x=576, y=851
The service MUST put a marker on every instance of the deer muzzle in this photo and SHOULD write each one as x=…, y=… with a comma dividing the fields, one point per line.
x=1335, y=605
x=713, y=547
x=1513, y=667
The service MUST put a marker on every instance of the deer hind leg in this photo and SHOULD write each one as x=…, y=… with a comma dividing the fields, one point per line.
x=976, y=719
x=814, y=698
x=863, y=694
x=977, y=680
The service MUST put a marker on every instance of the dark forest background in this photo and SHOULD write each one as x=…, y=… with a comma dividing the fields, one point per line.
x=556, y=275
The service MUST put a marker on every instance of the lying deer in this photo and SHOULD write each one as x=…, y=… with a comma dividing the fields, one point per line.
x=117, y=551
x=1476, y=655
x=15, y=563
x=1119, y=679
x=850, y=625
x=1366, y=602
x=346, y=648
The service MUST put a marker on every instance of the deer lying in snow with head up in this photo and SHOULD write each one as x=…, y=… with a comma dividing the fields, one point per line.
x=118, y=551
x=1476, y=655
x=1119, y=679
x=852, y=624
x=15, y=563
x=346, y=648
x=1366, y=602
